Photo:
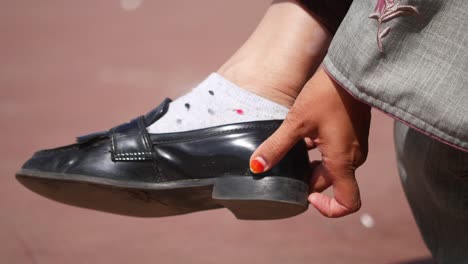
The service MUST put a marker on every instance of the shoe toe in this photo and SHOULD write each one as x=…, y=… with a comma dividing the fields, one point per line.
x=57, y=160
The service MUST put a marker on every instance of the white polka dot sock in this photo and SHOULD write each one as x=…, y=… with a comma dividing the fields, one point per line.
x=214, y=102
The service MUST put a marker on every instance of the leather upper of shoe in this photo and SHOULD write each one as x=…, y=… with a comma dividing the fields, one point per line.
x=128, y=152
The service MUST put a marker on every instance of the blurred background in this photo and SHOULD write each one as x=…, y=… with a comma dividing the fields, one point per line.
x=72, y=67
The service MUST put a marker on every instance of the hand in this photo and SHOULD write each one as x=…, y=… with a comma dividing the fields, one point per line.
x=330, y=119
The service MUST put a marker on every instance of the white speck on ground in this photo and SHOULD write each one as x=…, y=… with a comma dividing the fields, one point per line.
x=130, y=5
x=367, y=220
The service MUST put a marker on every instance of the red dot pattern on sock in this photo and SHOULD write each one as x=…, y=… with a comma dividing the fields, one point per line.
x=239, y=111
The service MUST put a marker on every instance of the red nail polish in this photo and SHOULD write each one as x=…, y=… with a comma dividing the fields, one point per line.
x=257, y=165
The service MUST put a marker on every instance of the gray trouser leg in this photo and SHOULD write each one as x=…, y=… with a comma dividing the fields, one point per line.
x=435, y=180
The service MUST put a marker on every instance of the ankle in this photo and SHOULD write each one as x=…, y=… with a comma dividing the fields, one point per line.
x=279, y=87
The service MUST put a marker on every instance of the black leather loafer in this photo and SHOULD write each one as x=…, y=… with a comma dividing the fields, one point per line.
x=128, y=171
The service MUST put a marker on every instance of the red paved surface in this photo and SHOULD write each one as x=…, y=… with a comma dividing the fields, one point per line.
x=72, y=67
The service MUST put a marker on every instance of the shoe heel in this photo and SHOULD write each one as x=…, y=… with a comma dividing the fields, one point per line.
x=252, y=198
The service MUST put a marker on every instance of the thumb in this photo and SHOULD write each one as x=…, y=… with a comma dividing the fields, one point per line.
x=346, y=198
x=272, y=150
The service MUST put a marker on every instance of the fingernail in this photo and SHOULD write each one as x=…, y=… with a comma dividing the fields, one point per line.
x=257, y=165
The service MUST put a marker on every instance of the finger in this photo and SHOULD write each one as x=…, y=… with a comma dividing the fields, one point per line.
x=346, y=192
x=327, y=206
x=310, y=143
x=278, y=144
x=318, y=182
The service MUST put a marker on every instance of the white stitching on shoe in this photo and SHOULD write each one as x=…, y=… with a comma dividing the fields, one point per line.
x=133, y=156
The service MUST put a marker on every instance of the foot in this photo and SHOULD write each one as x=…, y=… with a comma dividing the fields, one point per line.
x=216, y=101
x=129, y=171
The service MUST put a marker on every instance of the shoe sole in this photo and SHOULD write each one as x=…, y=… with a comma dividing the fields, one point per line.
x=248, y=198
